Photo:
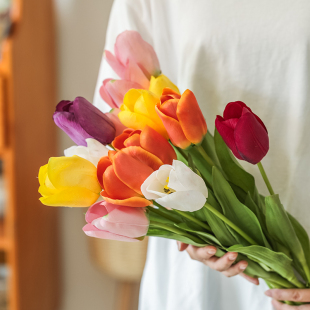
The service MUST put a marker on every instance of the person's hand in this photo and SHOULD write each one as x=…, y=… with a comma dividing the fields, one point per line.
x=294, y=294
x=223, y=264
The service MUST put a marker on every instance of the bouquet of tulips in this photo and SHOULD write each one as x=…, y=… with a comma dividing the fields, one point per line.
x=150, y=167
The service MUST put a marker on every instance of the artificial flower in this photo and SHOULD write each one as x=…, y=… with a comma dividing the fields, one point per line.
x=122, y=173
x=135, y=60
x=148, y=139
x=80, y=120
x=68, y=181
x=181, y=117
x=113, y=91
x=138, y=110
x=243, y=132
x=176, y=187
x=158, y=84
x=109, y=221
x=92, y=152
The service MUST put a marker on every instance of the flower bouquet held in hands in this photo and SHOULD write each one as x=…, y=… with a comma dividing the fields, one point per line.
x=150, y=167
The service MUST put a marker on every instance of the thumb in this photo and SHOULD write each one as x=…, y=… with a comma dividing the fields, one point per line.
x=182, y=246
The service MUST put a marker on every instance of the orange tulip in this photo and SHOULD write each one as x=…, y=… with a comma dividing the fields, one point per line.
x=122, y=173
x=147, y=139
x=181, y=117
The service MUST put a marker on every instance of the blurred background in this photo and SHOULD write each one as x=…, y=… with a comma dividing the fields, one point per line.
x=51, y=50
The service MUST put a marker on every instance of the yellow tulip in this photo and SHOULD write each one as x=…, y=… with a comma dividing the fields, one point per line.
x=68, y=181
x=138, y=110
x=157, y=84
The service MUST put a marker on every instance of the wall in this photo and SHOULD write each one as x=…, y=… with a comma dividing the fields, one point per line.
x=81, y=27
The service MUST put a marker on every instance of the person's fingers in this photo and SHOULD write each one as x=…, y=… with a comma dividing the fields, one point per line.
x=235, y=269
x=301, y=295
x=182, y=246
x=223, y=263
x=201, y=254
x=250, y=279
x=280, y=306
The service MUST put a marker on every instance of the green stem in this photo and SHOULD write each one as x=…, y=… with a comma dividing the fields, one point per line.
x=163, y=214
x=264, y=175
x=177, y=231
x=230, y=223
x=193, y=219
x=204, y=155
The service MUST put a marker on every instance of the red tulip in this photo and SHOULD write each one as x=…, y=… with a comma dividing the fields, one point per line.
x=181, y=117
x=149, y=140
x=243, y=132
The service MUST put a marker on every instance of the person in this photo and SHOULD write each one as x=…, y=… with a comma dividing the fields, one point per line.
x=253, y=51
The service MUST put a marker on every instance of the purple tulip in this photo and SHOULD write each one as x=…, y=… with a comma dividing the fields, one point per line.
x=80, y=120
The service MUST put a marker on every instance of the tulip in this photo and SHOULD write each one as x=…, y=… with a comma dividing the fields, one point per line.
x=93, y=152
x=135, y=60
x=181, y=117
x=113, y=91
x=122, y=173
x=138, y=110
x=109, y=221
x=80, y=120
x=113, y=116
x=149, y=140
x=68, y=181
x=176, y=187
x=158, y=84
x=243, y=132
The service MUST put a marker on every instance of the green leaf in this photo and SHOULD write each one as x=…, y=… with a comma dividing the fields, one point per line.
x=205, y=236
x=235, y=211
x=278, y=262
x=302, y=237
x=157, y=232
x=208, y=145
x=280, y=227
x=234, y=172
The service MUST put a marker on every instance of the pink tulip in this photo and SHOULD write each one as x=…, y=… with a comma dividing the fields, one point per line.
x=108, y=221
x=113, y=91
x=119, y=127
x=135, y=60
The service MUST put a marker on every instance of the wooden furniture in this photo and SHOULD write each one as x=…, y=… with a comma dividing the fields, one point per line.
x=28, y=230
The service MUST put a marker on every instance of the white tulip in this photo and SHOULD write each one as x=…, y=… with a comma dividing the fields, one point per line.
x=92, y=152
x=176, y=187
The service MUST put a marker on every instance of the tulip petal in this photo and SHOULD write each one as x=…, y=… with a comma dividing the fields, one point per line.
x=129, y=45
x=134, y=73
x=103, y=164
x=251, y=138
x=143, y=156
x=106, y=96
x=131, y=171
x=71, y=197
x=191, y=118
x=130, y=99
x=133, y=140
x=169, y=108
x=92, y=231
x=156, y=144
x=115, y=64
x=157, y=85
x=187, y=178
x=190, y=200
x=114, y=188
x=73, y=171
x=136, y=202
x=113, y=116
x=98, y=209
x=163, y=174
x=227, y=133
x=233, y=110
x=146, y=192
x=174, y=130
x=118, y=142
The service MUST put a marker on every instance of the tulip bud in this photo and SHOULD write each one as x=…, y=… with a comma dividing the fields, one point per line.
x=243, y=132
x=80, y=120
x=114, y=222
x=135, y=60
x=68, y=181
x=181, y=117
x=113, y=91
